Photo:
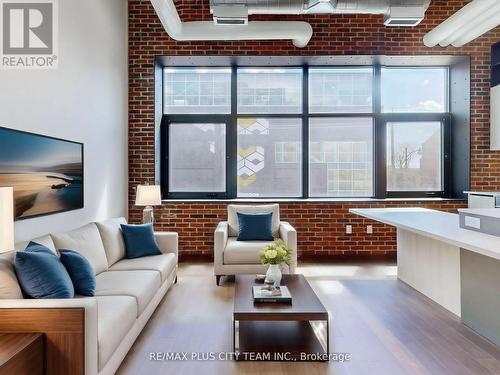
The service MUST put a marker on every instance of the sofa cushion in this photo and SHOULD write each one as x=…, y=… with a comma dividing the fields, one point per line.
x=164, y=264
x=232, y=216
x=34, y=247
x=80, y=271
x=43, y=240
x=139, y=240
x=9, y=286
x=243, y=252
x=111, y=235
x=116, y=315
x=86, y=241
x=42, y=275
x=139, y=284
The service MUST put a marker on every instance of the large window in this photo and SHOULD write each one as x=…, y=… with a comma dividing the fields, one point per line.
x=197, y=157
x=300, y=132
x=341, y=157
x=188, y=90
x=341, y=90
x=414, y=90
x=269, y=91
x=414, y=156
x=269, y=157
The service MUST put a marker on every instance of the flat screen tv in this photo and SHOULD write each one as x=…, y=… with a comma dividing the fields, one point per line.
x=45, y=172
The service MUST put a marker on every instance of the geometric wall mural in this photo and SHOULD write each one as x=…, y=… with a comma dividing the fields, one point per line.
x=253, y=126
x=250, y=161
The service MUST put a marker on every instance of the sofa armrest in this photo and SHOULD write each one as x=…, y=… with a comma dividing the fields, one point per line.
x=220, y=241
x=168, y=242
x=70, y=325
x=289, y=235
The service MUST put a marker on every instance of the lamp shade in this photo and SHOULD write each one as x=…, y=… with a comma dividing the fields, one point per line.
x=148, y=195
x=6, y=219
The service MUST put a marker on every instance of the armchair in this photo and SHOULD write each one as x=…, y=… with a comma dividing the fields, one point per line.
x=232, y=257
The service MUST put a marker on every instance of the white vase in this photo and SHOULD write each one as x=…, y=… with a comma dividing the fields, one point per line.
x=274, y=273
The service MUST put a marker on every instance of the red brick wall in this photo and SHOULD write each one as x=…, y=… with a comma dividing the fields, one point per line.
x=320, y=225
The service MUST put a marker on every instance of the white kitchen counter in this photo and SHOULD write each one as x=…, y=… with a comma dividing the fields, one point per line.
x=457, y=268
x=439, y=225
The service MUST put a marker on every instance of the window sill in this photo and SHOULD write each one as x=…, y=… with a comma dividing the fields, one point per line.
x=314, y=200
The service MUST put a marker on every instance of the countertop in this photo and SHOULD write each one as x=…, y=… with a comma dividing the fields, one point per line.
x=439, y=225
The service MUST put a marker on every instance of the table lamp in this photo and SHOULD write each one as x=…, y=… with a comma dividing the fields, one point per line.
x=6, y=219
x=148, y=196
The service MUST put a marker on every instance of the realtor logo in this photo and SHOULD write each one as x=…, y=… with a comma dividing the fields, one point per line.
x=29, y=34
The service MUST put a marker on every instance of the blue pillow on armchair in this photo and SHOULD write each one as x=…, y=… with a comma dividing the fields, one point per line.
x=255, y=227
x=80, y=271
x=139, y=241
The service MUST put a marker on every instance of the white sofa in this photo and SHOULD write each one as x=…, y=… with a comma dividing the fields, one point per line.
x=127, y=290
x=233, y=257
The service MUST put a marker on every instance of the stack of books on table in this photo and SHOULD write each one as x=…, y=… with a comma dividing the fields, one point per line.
x=262, y=294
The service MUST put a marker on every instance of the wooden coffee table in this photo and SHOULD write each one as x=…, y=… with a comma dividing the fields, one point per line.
x=280, y=332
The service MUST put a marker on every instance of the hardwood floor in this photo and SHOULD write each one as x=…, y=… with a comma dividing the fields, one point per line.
x=386, y=326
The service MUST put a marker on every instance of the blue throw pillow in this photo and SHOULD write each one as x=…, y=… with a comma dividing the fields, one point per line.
x=139, y=241
x=38, y=248
x=42, y=275
x=80, y=271
x=255, y=227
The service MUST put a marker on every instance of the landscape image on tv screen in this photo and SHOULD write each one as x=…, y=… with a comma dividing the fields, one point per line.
x=46, y=173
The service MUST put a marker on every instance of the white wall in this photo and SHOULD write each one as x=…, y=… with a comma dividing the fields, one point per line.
x=85, y=100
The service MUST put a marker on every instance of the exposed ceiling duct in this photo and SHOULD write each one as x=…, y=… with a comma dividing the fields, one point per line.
x=231, y=18
x=299, y=32
x=469, y=23
x=396, y=12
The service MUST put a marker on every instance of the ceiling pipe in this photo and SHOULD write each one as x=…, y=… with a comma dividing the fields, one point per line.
x=472, y=24
x=299, y=32
x=467, y=24
x=480, y=27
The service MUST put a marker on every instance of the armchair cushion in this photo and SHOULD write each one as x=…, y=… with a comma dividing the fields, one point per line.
x=243, y=252
x=232, y=216
x=255, y=227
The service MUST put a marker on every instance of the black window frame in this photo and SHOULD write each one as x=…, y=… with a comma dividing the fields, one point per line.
x=379, y=150
x=445, y=120
x=165, y=141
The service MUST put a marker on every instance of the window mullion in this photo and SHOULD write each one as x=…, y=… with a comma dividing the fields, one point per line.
x=305, y=133
x=379, y=137
x=232, y=139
